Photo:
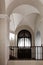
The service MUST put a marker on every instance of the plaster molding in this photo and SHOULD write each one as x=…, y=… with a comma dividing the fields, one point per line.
x=4, y=16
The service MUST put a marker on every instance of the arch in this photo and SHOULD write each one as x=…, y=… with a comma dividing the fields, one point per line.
x=27, y=28
x=25, y=9
x=21, y=27
x=14, y=4
x=18, y=20
x=23, y=12
x=24, y=38
x=24, y=44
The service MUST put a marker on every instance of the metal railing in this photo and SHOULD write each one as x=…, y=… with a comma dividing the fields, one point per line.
x=26, y=53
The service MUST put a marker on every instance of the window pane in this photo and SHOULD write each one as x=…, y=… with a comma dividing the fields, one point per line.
x=11, y=36
x=21, y=42
x=27, y=42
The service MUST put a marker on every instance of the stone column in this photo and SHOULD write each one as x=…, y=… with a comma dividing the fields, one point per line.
x=4, y=38
x=4, y=33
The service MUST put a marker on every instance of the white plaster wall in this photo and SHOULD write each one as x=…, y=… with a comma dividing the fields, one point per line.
x=0, y=42
x=41, y=1
x=29, y=20
x=7, y=3
x=39, y=27
x=15, y=20
x=2, y=6
x=25, y=9
x=15, y=3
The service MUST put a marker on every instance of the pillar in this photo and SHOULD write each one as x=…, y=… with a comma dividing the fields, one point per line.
x=4, y=38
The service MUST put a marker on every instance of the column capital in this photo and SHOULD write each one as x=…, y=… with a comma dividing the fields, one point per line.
x=4, y=16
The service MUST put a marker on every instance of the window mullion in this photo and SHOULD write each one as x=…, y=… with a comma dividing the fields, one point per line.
x=24, y=41
x=24, y=38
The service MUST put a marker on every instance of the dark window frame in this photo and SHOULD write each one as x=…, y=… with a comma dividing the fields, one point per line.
x=24, y=34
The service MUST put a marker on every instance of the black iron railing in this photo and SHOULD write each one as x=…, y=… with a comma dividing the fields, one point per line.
x=26, y=53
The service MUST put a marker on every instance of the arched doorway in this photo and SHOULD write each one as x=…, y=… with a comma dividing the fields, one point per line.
x=24, y=44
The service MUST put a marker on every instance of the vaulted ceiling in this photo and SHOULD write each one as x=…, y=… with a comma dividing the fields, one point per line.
x=12, y=4
x=23, y=15
x=24, y=12
x=8, y=2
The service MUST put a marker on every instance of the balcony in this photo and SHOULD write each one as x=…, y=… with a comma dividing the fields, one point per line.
x=26, y=53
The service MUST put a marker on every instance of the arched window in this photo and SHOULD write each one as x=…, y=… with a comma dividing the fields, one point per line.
x=11, y=36
x=24, y=44
x=24, y=38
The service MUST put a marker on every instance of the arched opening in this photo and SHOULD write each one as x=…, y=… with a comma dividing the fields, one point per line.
x=24, y=39
x=24, y=44
x=22, y=15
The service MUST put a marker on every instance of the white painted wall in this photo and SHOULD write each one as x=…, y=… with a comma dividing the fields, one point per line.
x=15, y=20
x=41, y=1
x=29, y=20
x=8, y=2
x=39, y=27
x=25, y=9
